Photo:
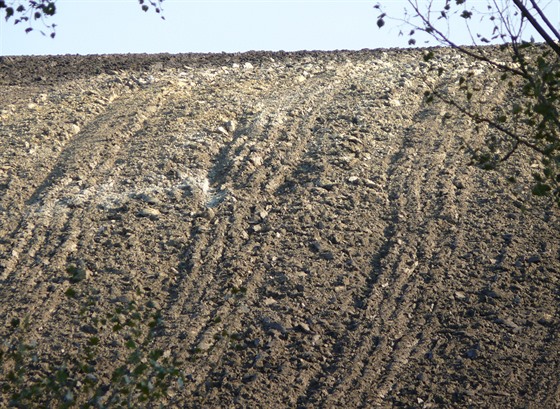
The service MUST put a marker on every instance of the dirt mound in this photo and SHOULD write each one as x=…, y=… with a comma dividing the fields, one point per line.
x=306, y=228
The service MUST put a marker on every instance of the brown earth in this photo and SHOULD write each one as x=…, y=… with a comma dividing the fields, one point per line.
x=309, y=229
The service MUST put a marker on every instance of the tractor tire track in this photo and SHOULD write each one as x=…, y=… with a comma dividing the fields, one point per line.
x=50, y=230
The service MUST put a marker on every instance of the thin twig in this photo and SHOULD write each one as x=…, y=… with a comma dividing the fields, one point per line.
x=462, y=49
x=537, y=26
x=511, y=152
x=523, y=72
x=494, y=124
x=540, y=96
x=546, y=20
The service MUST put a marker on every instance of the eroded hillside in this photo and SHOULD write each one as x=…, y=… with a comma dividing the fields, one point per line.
x=308, y=228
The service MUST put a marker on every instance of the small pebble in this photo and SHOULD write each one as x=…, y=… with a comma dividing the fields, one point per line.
x=149, y=212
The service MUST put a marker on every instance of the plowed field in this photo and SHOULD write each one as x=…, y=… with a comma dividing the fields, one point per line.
x=308, y=230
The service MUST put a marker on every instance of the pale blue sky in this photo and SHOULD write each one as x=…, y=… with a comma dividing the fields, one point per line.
x=103, y=26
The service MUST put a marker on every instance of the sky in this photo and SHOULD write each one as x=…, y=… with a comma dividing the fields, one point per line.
x=108, y=27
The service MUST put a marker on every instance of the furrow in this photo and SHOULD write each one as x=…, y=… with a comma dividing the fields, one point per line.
x=51, y=227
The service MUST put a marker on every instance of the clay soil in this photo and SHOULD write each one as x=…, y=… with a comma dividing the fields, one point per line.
x=309, y=229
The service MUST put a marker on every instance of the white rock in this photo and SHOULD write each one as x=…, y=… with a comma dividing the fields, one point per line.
x=149, y=212
x=223, y=130
x=256, y=159
x=230, y=126
x=269, y=301
x=304, y=327
x=371, y=184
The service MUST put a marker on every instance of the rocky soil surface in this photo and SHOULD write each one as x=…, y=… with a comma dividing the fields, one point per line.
x=309, y=230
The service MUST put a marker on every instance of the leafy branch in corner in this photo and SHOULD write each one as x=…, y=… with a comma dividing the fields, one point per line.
x=141, y=376
x=30, y=11
x=529, y=115
x=155, y=4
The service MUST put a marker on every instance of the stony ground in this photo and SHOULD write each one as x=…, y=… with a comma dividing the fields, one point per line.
x=309, y=230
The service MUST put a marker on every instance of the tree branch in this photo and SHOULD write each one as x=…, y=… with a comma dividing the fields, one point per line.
x=511, y=152
x=546, y=20
x=462, y=49
x=542, y=99
x=537, y=26
x=494, y=124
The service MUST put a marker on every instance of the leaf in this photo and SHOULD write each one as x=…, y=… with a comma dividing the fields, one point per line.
x=118, y=373
x=466, y=14
x=93, y=341
x=156, y=354
x=49, y=9
x=145, y=7
x=140, y=369
x=541, y=189
x=69, y=397
x=537, y=177
x=412, y=41
x=544, y=109
x=428, y=56
x=380, y=22
x=76, y=274
x=9, y=12
x=70, y=292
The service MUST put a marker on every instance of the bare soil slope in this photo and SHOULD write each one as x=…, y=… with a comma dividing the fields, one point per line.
x=309, y=229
